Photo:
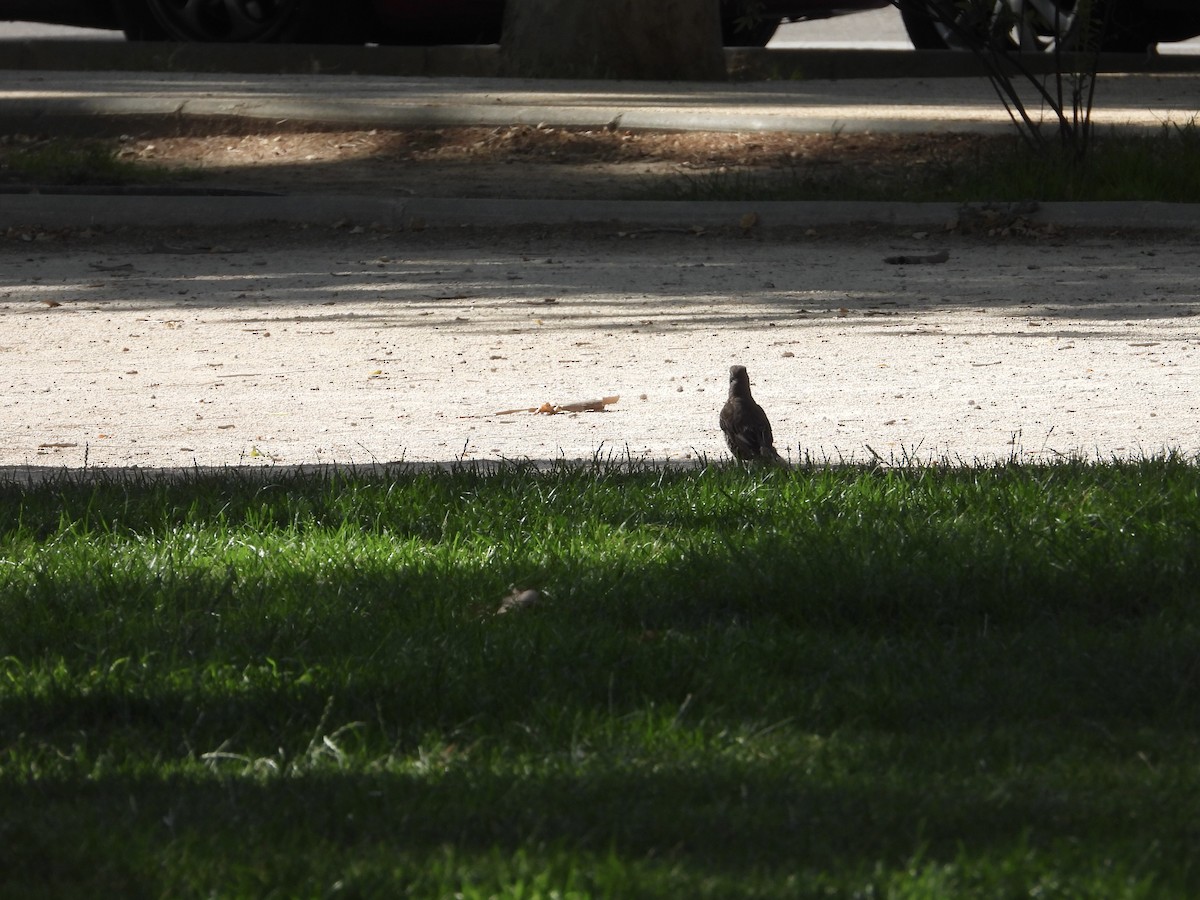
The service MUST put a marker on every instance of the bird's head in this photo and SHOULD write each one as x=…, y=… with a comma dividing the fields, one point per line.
x=739, y=378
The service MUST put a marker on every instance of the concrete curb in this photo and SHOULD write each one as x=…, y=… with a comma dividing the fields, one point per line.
x=113, y=100
x=742, y=63
x=77, y=211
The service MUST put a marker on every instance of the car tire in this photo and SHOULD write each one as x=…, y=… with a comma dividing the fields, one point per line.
x=922, y=30
x=927, y=33
x=236, y=21
x=137, y=22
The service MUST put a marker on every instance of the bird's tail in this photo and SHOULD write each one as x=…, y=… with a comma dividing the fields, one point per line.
x=771, y=456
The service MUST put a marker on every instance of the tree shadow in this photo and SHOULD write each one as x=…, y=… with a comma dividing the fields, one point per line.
x=776, y=699
x=587, y=277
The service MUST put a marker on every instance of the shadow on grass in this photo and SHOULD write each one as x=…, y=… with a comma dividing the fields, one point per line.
x=736, y=824
x=916, y=598
x=734, y=679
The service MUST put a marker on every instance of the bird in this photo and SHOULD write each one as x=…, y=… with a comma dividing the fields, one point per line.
x=746, y=427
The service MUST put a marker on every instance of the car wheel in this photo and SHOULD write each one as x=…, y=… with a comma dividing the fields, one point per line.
x=236, y=21
x=739, y=33
x=1028, y=25
x=136, y=21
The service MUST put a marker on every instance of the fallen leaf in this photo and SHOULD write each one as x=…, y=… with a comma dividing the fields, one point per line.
x=588, y=405
x=518, y=600
x=549, y=409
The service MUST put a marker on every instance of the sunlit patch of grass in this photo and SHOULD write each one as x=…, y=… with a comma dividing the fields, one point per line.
x=917, y=681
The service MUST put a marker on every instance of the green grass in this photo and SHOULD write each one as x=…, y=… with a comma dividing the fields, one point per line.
x=836, y=681
x=1164, y=166
x=67, y=161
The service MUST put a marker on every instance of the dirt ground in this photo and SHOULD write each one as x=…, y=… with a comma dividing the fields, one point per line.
x=289, y=345
x=512, y=161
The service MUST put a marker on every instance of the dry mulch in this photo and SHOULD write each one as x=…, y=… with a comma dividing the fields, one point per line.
x=521, y=161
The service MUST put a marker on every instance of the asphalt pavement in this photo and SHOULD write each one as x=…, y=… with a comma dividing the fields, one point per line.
x=41, y=101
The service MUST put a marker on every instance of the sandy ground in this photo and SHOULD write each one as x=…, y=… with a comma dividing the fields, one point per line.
x=315, y=345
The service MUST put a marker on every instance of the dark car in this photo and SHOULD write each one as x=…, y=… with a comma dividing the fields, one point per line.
x=1032, y=25
x=746, y=22
x=931, y=24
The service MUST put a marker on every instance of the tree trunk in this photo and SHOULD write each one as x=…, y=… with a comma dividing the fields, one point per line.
x=648, y=39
